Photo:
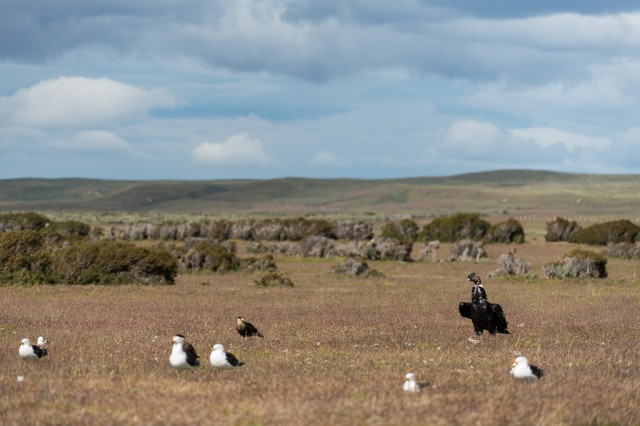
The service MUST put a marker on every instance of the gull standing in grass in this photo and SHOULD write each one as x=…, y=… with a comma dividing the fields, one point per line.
x=410, y=384
x=221, y=359
x=29, y=351
x=183, y=355
x=520, y=369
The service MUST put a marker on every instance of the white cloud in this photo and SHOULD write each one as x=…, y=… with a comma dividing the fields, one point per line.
x=471, y=136
x=253, y=35
x=326, y=158
x=239, y=149
x=560, y=30
x=78, y=102
x=609, y=85
x=94, y=140
x=545, y=136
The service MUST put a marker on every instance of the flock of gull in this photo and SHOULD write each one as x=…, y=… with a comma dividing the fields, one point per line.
x=184, y=357
x=483, y=314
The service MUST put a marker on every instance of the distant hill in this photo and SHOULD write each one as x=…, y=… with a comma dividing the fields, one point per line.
x=487, y=192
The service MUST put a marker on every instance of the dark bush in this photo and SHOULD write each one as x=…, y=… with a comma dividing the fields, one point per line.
x=22, y=258
x=316, y=246
x=560, y=229
x=71, y=229
x=315, y=227
x=349, y=229
x=618, y=231
x=273, y=279
x=578, y=264
x=258, y=264
x=354, y=267
x=212, y=256
x=112, y=262
x=22, y=222
x=294, y=229
x=220, y=229
x=405, y=231
x=453, y=228
x=393, y=250
x=154, y=264
x=510, y=231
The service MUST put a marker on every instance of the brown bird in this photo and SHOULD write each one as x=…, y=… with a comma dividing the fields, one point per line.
x=246, y=329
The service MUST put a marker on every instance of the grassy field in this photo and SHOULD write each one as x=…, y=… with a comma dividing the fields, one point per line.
x=516, y=191
x=335, y=349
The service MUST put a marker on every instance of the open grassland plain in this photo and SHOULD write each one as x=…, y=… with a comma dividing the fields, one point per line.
x=335, y=349
x=516, y=191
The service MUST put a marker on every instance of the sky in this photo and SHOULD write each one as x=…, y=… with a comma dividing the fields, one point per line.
x=261, y=89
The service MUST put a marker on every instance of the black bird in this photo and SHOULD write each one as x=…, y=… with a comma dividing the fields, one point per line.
x=246, y=329
x=484, y=315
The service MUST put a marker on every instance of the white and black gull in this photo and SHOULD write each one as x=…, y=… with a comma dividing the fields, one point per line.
x=183, y=355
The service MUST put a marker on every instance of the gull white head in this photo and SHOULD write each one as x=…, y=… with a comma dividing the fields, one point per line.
x=218, y=347
x=521, y=369
x=178, y=338
x=520, y=361
x=410, y=385
x=27, y=351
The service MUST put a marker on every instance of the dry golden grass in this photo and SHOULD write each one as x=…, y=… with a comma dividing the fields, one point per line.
x=335, y=352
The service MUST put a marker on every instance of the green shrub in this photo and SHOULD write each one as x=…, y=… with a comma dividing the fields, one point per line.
x=156, y=264
x=22, y=221
x=560, y=229
x=215, y=257
x=453, y=228
x=22, y=258
x=618, y=231
x=257, y=247
x=578, y=264
x=510, y=231
x=112, y=262
x=68, y=229
x=406, y=231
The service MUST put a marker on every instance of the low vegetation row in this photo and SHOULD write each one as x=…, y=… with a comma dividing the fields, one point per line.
x=612, y=232
x=285, y=229
x=35, y=250
x=457, y=227
x=453, y=228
